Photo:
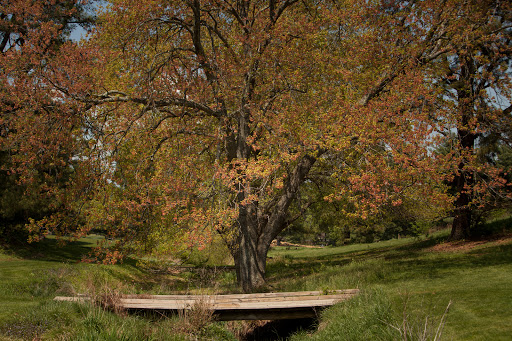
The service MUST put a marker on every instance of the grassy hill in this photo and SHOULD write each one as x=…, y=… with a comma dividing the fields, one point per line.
x=407, y=286
x=414, y=289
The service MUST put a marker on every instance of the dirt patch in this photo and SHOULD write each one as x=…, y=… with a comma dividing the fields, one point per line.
x=468, y=245
x=274, y=243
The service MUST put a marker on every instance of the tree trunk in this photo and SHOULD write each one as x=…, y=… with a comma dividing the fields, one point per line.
x=462, y=214
x=461, y=224
x=463, y=184
x=259, y=225
x=463, y=181
x=250, y=263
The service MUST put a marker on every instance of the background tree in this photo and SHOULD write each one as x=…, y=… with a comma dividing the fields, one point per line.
x=336, y=188
x=36, y=128
x=476, y=80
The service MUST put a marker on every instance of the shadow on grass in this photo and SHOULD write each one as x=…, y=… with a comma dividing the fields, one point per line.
x=53, y=251
x=285, y=269
x=395, y=263
x=282, y=268
x=62, y=251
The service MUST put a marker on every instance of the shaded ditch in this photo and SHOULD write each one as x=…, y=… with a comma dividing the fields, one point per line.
x=278, y=329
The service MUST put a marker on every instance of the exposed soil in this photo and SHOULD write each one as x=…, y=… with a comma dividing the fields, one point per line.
x=274, y=243
x=468, y=245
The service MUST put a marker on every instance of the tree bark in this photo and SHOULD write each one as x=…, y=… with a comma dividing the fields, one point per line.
x=463, y=184
x=462, y=213
x=259, y=225
x=463, y=181
x=250, y=261
x=461, y=224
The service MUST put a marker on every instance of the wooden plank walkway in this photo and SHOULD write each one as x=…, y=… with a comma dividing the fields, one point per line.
x=261, y=306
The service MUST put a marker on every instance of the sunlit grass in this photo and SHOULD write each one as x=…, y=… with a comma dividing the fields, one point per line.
x=416, y=281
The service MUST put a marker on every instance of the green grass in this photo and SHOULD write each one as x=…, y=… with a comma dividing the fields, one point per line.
x=416, y=283
x=405, y=285
x=31, y=277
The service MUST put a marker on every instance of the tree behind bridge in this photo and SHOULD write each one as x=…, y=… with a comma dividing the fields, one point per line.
x=210, y=115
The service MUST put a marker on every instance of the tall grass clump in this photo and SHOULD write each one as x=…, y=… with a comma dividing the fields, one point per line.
x=31, y=324
x=372, y=316
x=99, y=324
x=420, y=328
x=364, y=317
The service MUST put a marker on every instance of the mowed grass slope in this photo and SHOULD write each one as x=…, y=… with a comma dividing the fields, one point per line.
x=406, y=286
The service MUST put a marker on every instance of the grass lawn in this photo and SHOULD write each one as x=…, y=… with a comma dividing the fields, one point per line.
x=416, y=280
x=406, y=286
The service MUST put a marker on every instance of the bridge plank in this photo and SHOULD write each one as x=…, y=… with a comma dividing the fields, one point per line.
x=186, y=304
x=258, y=306
x=291, y=294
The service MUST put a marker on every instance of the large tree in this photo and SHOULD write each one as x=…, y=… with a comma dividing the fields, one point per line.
x=210, y=115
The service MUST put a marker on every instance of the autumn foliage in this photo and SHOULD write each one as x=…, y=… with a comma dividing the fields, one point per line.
x=38, y=125
x=189, y=119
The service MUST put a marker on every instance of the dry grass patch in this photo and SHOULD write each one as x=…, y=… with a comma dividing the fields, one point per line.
x=469, y=245
x=195, y=319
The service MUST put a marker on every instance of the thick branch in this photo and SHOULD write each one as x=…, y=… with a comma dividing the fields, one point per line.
x=277, y=218
x=115, y=96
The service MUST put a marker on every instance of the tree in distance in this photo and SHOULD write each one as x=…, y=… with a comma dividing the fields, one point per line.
x=36, y=126
x=475, y=111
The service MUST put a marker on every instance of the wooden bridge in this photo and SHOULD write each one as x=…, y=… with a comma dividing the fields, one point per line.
x=262, y=306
